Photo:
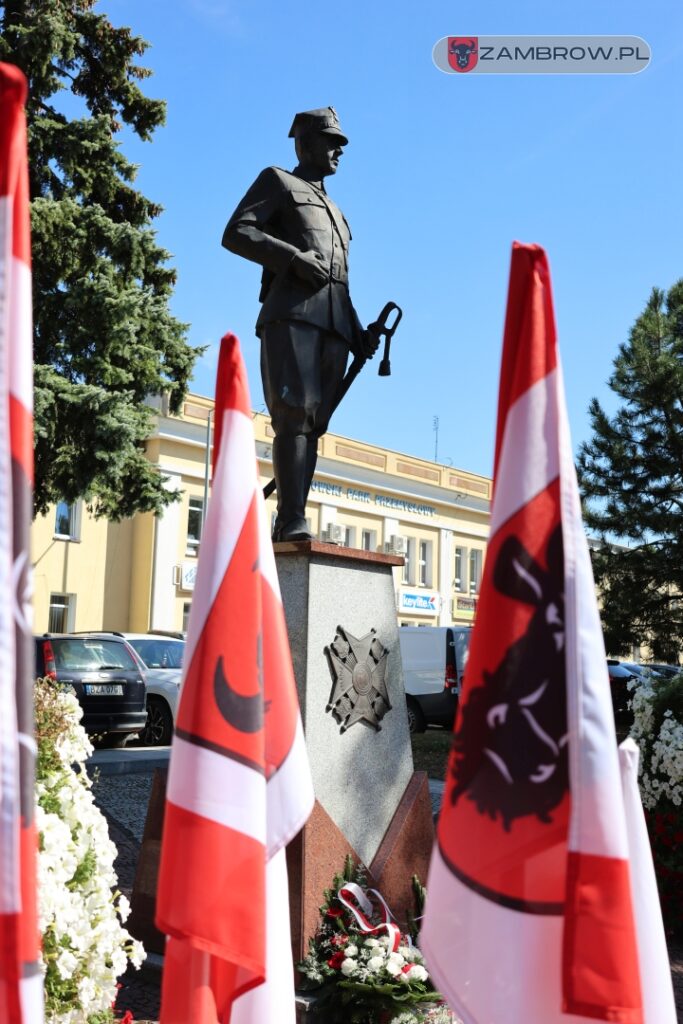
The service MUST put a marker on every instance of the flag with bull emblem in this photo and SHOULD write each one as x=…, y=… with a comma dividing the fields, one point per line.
x=21, y=991
x=529, y=913
x=239, y=784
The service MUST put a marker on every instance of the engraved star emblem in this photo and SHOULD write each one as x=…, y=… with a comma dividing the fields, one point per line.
x=358, y=667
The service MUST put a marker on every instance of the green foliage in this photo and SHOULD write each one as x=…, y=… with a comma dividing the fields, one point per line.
x=52, y=721
x=104, y=337
x=631, y=478
x=415, y=916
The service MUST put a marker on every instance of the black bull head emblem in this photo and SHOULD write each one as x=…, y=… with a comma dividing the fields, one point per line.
x=511, y=746
x=462, y=51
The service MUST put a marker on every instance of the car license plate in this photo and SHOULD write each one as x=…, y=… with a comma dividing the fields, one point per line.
x=103, y=690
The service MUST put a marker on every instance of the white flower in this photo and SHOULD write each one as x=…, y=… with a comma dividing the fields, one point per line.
x=371, y=943
x=123, y=907
x=66, y=963
x=661, y=761
x=351, y=950
x=349, y=967
x=417, y=973
x=393, y=968
x=83, y=920
x=376, y=963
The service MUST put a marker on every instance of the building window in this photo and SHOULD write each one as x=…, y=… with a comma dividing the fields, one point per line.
x=66, y=520
x=349, y=539
x=186, y=615
x=409, y=564
x=459, y=582
x=194, y=525
x=425, y=563
x=475, y=570
x=60, y=616
x=369, y=540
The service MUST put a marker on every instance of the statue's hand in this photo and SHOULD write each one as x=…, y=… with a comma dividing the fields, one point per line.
x=310, y=266
x=369, y=343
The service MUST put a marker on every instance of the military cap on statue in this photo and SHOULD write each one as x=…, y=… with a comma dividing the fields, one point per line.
x=323, y=120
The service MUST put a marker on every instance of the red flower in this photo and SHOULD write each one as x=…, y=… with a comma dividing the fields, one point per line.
x=336, y=960
x=127, y=1018
x=334, y=912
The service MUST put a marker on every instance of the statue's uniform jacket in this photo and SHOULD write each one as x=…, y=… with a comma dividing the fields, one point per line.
x=282, y=215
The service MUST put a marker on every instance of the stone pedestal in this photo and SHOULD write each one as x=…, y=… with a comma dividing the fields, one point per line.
x=144, y=896
x=369, y=801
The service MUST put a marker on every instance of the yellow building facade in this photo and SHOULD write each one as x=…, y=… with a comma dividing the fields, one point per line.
x=139, y=574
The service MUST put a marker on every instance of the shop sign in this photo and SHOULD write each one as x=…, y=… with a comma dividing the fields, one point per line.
x=384, y=501
x=188, y=575
x=418, y=602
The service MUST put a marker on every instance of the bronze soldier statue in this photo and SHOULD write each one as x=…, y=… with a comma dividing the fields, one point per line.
x=307, y=324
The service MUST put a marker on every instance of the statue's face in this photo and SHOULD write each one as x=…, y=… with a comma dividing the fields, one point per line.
x=322, y=152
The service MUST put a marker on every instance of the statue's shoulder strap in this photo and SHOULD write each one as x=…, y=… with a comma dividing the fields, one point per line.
x=294, y=182
x=287, y=179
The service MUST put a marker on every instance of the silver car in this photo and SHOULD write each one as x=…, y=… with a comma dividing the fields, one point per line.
x=161, y=658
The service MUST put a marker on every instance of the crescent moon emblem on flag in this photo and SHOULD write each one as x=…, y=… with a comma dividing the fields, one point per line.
x=242, y=713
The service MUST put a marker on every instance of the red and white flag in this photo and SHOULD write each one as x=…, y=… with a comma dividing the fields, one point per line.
x=21, y=991
x=239, y=786
x=530, y=909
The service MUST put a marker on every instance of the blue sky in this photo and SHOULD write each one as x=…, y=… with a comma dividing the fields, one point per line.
x=441, y=174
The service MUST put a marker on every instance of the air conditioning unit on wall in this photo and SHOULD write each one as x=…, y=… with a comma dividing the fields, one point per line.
x=396, y=545
x=333, y=534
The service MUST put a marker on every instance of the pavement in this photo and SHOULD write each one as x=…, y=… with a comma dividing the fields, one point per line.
x=122, y=784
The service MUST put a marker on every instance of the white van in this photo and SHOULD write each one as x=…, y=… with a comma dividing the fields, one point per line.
x=433, y=664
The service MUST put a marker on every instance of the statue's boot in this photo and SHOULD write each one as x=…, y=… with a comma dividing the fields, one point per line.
x=290, y=461
x=311, y=462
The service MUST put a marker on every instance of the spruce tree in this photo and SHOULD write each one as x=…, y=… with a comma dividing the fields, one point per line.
x=631, y=476
x=104, y=337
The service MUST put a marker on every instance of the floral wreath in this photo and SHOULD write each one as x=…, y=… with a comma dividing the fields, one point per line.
x=362, y=967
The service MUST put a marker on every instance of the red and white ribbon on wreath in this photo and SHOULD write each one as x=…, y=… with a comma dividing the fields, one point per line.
x=355, y=900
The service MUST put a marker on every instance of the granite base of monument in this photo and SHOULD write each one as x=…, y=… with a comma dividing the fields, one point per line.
x=143, y=900
x=340, y=608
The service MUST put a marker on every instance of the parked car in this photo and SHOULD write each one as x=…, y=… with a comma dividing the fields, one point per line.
x=642, y=671
x=105, y=675
x=668, y=671
x=619, y=676
x=161, y=655
x=433, y=664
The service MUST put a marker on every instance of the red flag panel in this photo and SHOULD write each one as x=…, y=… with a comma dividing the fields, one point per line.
x=20, y=978
x=239, y=782
x=531, y=870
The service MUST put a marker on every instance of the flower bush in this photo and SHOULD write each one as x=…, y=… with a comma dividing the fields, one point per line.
x=80, y=913
x=658, y=729
x=358, y=977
